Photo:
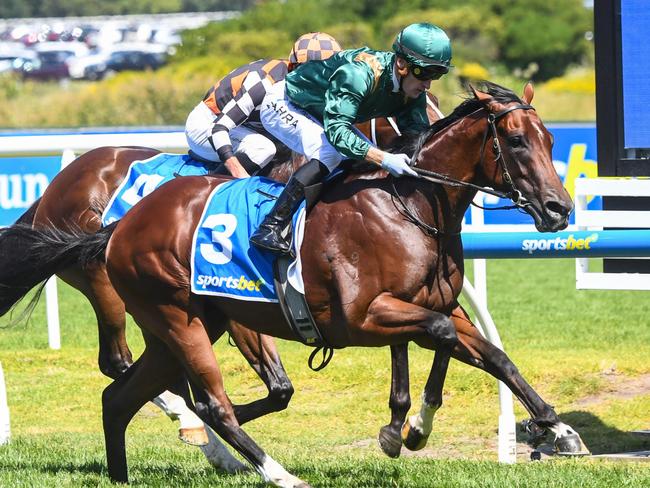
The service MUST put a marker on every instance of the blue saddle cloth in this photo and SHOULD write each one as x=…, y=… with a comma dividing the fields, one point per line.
x=145, y=176
x=224, y=263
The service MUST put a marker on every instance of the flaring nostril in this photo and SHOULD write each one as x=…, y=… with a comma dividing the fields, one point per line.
x=557, y=208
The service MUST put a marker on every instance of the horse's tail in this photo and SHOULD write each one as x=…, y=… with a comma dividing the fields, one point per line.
x=30, y=256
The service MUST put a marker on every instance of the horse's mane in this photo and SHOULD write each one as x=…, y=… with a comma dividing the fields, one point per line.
x=412, y=143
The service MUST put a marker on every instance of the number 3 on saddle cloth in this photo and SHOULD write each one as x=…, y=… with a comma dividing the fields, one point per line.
x=224, y=263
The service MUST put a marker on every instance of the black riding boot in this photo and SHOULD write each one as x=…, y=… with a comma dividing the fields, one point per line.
x=269, y=236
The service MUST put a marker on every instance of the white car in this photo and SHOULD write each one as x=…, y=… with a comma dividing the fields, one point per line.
x=104, y=62
x=78, y=67
x=69, y=48
x=13, y=55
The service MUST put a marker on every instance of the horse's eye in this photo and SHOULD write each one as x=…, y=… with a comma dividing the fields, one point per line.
x=516, y=141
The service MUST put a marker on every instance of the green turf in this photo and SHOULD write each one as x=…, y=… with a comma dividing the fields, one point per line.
x=578, y=349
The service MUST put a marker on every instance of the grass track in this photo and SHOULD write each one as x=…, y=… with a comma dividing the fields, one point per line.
x=569, y=344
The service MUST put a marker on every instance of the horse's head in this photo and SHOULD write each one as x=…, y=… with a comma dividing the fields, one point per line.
x=516, y=157
x=495, y=139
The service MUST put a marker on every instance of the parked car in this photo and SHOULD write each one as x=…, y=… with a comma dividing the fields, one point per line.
x=13, y=55
x=119, y=57
x=88, y=67
x=50, y=63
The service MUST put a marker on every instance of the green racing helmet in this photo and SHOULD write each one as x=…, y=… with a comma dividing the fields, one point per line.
x=426, y=48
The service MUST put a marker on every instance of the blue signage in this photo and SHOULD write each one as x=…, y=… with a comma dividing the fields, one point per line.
x=22, y=181
x=572, y=244
x=635, y=19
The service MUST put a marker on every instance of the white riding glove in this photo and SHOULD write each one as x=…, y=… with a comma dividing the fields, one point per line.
x=397, y=164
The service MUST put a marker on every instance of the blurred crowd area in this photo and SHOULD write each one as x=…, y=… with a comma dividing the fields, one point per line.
x=92, y=48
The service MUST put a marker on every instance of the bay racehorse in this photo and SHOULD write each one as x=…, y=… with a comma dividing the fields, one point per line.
x=392, y=277
x=76, y=199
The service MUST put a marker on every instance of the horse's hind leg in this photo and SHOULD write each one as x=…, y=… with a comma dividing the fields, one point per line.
x=154, y=371
x=114, y=355
x=178, y=319
x=475, y=350
x=174, y=403
x=145, y=379
x=213, y=405
x=192, y=346
x=261, y=353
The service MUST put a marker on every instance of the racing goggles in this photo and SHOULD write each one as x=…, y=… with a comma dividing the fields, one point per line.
x=427, y=73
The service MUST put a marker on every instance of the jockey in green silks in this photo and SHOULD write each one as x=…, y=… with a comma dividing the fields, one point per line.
x=314, y=109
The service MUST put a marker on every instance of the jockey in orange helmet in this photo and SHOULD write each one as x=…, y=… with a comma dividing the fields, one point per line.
x=225, y=126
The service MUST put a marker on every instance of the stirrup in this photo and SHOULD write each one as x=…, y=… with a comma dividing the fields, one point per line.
x=271, y=247
x=270, y=241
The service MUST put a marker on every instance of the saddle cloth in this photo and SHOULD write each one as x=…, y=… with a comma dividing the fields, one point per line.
x=223, y=262
x=145, y=176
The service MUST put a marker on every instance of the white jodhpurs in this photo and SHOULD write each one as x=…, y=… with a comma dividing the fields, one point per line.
x=297, y=129
x=259, y=148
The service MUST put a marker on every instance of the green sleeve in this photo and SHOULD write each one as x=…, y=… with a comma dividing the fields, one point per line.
x=347, y=88
x=413, y=118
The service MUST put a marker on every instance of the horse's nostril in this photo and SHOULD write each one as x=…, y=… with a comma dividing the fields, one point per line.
x=557, y=208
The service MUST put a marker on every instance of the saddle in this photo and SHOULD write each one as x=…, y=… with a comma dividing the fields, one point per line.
x=296, y=312
x=292, y=301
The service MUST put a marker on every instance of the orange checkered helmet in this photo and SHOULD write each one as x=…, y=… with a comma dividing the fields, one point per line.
x=313, y=46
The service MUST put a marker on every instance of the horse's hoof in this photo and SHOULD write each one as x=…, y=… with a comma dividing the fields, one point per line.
x=413, y=439
x=194, y=436
x=390, y=442
x=570, y=445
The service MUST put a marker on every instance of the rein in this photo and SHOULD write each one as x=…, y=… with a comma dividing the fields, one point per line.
x=512, y=194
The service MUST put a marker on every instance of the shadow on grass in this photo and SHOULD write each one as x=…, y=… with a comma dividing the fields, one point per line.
x=89, y=467
x=601, y=438
x=138, y=472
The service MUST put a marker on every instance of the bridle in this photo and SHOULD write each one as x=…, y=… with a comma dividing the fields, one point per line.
x=512, y=194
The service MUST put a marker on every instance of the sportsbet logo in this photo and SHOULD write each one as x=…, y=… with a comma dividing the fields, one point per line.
x=240, y=283
x=558, y=244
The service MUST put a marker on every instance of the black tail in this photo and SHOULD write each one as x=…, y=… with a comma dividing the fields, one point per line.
x=30, y=256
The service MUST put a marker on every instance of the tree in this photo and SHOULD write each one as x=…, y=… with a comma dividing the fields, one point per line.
x=549, y=33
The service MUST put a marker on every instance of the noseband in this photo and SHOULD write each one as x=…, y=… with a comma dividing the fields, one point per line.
x=512, y=194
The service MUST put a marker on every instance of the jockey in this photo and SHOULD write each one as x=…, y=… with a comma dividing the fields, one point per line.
x=225, y=126
x=314, y=109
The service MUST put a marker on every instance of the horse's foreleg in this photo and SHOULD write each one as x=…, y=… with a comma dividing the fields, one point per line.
x=417, y=429
x=390, y=439
x=475, y=350
x=193, y=431
x=261, y=353
x=390, y=317
x=174, y=403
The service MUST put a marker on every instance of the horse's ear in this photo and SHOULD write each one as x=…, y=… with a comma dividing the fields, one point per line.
x=479, y=95
x=528, y=93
